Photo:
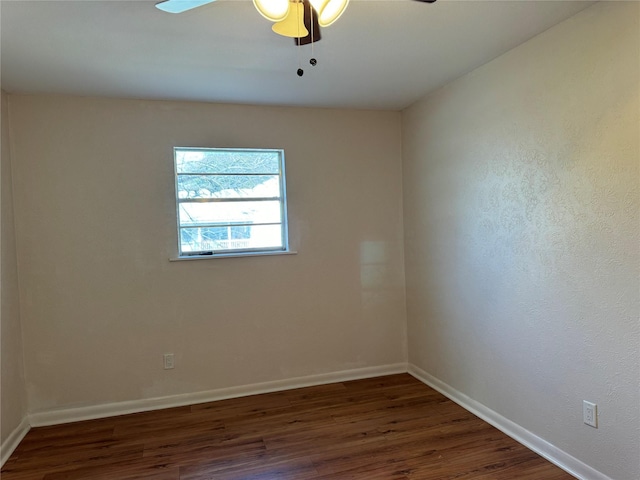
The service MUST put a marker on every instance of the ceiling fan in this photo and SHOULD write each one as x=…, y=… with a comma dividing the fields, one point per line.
x=298, y=19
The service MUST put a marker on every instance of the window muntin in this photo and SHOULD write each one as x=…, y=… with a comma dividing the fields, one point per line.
x=230, y=201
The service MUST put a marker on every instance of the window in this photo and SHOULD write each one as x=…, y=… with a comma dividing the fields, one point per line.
x=230, y=201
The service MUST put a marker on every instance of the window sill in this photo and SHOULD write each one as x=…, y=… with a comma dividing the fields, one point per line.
x=232, y=255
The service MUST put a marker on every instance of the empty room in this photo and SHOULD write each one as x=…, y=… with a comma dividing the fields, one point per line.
x=320, y=239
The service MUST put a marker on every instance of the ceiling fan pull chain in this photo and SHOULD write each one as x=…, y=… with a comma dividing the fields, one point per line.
x=313, y=60
x=300, y=72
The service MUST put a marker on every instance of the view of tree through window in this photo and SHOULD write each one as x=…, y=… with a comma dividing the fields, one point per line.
x=230, y=200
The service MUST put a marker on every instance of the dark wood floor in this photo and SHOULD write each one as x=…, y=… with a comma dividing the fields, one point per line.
x=390, y=427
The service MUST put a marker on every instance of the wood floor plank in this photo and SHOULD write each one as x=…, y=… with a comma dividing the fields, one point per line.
x=97, y=458
x=119, y=472
x=387, y=428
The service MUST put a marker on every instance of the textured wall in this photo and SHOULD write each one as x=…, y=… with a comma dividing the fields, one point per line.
x=521, y=200
x=13, y=404
x=95, y=221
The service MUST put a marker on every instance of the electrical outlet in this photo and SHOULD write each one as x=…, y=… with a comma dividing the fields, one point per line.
x=590, y=413
x=168, y=361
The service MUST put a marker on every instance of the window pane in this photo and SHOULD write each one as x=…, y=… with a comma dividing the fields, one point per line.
x=222, y=199
x=267, y=211
x=228, y=186
x=227, y=161
x=204, y=239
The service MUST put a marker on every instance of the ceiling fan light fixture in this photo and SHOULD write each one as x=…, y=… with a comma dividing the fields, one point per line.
x=329, y=10
x=311, y=22
x=272, y=10
x=293, y=24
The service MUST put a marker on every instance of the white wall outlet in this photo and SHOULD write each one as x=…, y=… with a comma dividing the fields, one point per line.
x=168, y=361
x=590, y=413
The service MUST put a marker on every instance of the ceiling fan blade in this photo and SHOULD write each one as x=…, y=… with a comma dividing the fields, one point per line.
x=179, y=6
x=426, y=1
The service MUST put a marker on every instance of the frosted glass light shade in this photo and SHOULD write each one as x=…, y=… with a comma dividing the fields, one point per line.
x=293, y=24
x=329, y=10
x=273, y=10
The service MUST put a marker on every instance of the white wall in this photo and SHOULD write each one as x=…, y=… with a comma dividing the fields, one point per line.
x=13, y=405
x=521, y=201
x=95, y=221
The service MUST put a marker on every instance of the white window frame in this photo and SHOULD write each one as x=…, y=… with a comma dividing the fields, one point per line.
x=235, y=252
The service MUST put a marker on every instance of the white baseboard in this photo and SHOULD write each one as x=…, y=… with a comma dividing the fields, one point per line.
x=543, y=448
x=54, y=417
x=13, y=440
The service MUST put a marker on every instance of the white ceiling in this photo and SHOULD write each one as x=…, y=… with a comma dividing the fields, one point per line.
x=378, y=55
